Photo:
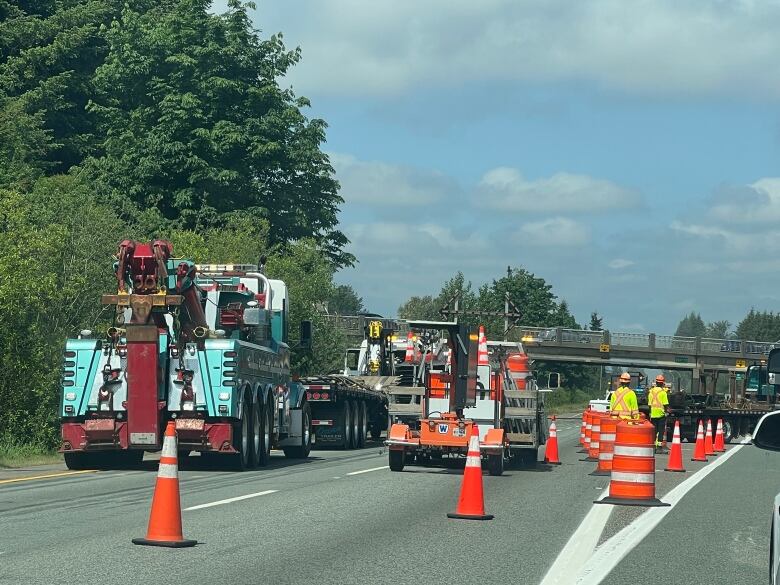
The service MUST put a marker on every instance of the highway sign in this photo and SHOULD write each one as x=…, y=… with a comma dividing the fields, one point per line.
x=741, y=364
x=740, y=376
x=604, y=348
x=681, y=359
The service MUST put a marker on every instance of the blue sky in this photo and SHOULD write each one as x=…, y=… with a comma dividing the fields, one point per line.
x=625, y=151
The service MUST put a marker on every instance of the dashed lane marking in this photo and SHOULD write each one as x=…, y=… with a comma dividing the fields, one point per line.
x=47, y=476
x=230, y=500
x=368, y=470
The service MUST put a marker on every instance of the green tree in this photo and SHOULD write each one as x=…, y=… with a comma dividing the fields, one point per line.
x=691, y=325
x=596, y=321
x=345, y=301
x=197, y=127
x=759, y=326
x=718, y=330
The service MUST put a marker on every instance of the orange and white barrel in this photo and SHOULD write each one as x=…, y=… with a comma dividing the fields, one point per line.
x=632, y=480
x=608, y=428
x=517, y=364
x=595, y=435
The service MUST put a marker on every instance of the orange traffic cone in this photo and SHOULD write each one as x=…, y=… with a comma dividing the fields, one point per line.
x=551, y=450
x=719, y=446
x=708, y=448
x=409, y=356
x=482, y=351
x=471, y=504
x=699, y=453
x=675, y=455
x=165, y=517
x=582, y=435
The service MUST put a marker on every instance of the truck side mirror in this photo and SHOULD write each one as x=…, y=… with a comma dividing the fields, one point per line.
x=305, y=336
x=767, y=433
x=554, y=381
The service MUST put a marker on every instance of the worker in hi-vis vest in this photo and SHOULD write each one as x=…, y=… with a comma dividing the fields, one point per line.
x=659, y=404
x=623, y=401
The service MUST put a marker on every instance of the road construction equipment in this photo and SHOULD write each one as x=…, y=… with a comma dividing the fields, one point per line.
x=165, y=527
x=206, y=347
x=632, y=480
x=444, y=427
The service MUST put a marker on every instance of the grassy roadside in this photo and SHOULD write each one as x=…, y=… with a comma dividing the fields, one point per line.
x=13, y=455
x=567, y=408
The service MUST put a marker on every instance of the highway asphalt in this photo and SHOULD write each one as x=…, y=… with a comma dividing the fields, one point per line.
x=343, y=517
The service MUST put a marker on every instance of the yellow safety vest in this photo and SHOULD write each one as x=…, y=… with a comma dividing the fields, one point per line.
x=624, y=402
x=657, y=399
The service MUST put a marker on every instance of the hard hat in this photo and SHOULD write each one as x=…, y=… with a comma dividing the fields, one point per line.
x=625, y=377
x=660, y=378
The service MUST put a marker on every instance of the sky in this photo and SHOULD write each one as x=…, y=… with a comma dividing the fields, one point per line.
x=626, y=151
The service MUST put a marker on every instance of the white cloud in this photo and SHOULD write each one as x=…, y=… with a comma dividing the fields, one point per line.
x=505, y=188
x=620, y=263
x=385, y=185
x=554, y=232
x=647, y=47
x=758, y=203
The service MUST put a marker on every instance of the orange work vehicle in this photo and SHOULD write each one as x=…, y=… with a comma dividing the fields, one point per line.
x=443, y=429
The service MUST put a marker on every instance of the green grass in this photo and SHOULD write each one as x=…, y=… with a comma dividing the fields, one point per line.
x=566, y=401
x=13, y=454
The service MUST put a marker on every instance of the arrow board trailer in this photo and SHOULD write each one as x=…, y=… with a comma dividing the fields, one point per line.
x=345, y=412
x=454, y=401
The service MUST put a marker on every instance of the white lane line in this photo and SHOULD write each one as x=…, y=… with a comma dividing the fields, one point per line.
x=609, y=554
x=580, y=547
x=230, y=500
x=368, y=470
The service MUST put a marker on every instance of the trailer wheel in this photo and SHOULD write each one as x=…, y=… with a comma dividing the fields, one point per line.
x=257, y=434
x=266, y=435
x=242, y=438
x=728, y=430
x=78, y=460
x=346, y=425
x=397, y=460
x=362, y=424
x=376, y=431
x=355, y=424
x=496, y=464
x=302, y=451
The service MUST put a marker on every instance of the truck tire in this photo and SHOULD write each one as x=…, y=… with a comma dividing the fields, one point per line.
x=376, y=430
x=266, y=434
x=346, y=425
x=728, y=430
x=396, y=459
x=303, y=450
x=355, y=424
x=242, y=438
x=496, y=464
x=257, y=434
x=362, y=424
x=78, y=460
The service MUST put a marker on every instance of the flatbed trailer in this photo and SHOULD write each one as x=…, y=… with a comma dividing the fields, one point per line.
x=739, y=415
x=345, y=411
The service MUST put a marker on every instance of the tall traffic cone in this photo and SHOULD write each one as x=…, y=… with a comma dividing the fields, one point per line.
x=482, y=351
x=471, y=504
x=165, y=517
x=409, y=357
x=699, y=453
x=675, y=455
x=582, y=435
x=708, y=448
x=551, y=449
x=719, y=446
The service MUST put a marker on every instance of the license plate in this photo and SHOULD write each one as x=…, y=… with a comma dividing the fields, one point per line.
x=143, y=439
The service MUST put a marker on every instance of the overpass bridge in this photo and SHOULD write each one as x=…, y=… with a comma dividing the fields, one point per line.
x=703, y=357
